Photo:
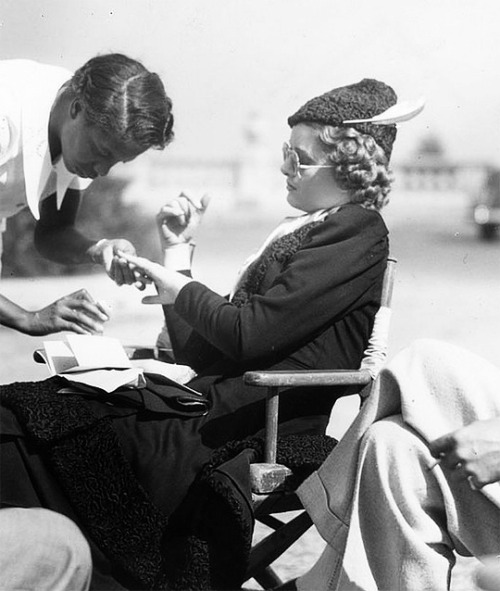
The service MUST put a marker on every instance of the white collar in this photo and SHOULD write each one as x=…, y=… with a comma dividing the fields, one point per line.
x=36, y=152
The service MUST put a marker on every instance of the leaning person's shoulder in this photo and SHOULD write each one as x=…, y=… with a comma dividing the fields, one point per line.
x=50, y=71
x=24, y=75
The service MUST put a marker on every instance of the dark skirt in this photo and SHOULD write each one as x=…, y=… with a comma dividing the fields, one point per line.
x=163, y=452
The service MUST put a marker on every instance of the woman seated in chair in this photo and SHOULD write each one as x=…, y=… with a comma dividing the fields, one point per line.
x=307, y=300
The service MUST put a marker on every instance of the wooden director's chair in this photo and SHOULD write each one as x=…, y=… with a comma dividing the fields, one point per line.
x=271, y=495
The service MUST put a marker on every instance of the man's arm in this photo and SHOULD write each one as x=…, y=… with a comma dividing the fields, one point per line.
x=57, y=238
x=77, y=312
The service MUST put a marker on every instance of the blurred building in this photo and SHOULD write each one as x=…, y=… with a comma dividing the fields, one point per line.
x=248, y=185
x=251, y=185
x=430, y=170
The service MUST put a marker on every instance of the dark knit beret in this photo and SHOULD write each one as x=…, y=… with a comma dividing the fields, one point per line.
x=362, y=100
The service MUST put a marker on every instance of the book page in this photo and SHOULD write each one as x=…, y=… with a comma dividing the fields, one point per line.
x=59, y=356
x=93, y=352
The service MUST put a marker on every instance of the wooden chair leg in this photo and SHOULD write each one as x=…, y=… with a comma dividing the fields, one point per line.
x=267, y=578
x=272, y=547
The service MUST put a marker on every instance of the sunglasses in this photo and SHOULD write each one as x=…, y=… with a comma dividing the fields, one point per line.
x=291, y=156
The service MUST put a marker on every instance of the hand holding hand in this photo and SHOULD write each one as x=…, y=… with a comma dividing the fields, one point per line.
x=105, y=253
x=77, y=312
x=472, y=452
x=179, y=219
x=168, y=283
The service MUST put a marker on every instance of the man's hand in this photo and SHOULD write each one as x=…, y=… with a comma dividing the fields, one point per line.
x=472, y=452
x=168, y=283
x=104, y=253
x=178, y=220
x=77, y=312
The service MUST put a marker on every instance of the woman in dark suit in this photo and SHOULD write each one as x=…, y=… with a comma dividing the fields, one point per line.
x=307, y=300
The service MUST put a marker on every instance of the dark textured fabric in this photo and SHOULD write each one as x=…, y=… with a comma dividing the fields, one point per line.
x=214, y=525
x=279, y=251
x=361, y=100
x=84, y=455
x=206, y=542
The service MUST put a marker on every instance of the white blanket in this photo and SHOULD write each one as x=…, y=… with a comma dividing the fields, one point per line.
x=436, y=388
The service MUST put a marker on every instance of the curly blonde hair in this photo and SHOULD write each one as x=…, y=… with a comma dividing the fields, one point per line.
x=360, y=165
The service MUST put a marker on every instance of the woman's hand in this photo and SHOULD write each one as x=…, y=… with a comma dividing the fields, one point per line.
x=472, y=452
x=168, y=283
x=77, y=312
x=179, y=219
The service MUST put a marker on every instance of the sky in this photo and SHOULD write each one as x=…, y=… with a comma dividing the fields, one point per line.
x=225, y=60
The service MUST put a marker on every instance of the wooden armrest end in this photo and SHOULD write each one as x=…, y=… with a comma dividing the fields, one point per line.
x=268, y=478
x=308, y=378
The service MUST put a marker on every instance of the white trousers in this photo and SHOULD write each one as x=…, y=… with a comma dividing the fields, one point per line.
x=41, y=550
x=407, y=520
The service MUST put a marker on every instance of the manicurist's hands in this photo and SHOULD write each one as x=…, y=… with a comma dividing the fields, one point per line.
x=77, y=312
x=179, y=219
x=472, y=452
x=105, y=253
x=168, y=283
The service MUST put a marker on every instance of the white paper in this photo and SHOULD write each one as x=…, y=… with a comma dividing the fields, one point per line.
x=173, y=371
x=98, y=352
x=96, y=361
x=58, y=356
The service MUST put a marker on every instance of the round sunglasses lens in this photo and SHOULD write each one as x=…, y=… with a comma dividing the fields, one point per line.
x=294, y=161
x=291, y=156
x=285, y=149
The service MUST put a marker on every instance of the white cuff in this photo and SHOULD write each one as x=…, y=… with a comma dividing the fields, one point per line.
x=178, y=257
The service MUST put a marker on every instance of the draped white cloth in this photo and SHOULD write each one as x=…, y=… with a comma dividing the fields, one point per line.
x=433, y=389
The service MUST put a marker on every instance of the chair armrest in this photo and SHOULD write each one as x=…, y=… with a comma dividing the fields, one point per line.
x=268, y=476
x=318, y=377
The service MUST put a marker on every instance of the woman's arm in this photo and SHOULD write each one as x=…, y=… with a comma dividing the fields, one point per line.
x=178, y=222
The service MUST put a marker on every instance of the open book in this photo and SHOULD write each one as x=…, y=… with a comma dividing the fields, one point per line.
x=102, y=362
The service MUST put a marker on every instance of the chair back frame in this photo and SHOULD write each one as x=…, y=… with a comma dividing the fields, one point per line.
x=274, y=380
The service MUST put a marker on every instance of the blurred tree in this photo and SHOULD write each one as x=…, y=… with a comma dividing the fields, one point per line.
x=102, y=215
